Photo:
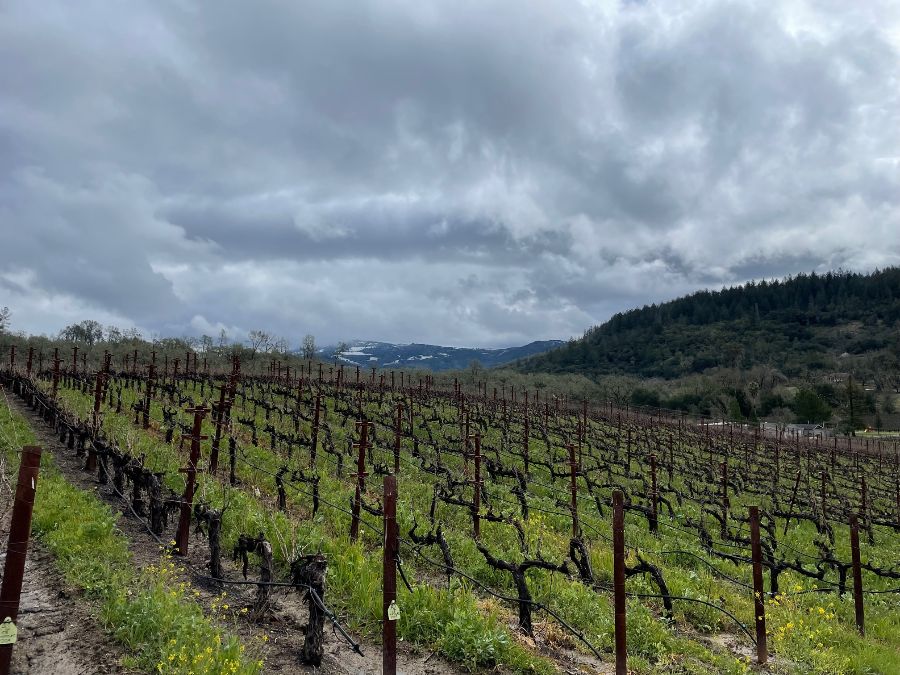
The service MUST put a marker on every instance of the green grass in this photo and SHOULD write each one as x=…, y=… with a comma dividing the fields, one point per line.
x=451, y=622
x=147, y=610
x=463, y=624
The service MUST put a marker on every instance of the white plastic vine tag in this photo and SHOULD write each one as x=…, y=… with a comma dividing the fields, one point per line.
x=8, y=632
x=393, y=611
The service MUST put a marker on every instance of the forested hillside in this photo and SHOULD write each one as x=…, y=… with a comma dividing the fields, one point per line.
x=801, y=325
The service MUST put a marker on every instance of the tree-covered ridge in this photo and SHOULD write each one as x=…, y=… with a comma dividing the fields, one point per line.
x=800, y=324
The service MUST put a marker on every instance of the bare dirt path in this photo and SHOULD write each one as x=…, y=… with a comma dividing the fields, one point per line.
x=283, y=627
x=57, y=630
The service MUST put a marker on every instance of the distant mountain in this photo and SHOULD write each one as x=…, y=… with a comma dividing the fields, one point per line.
x=432, y=357
x=804, y=326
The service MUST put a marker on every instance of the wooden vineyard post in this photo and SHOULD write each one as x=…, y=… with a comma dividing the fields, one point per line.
x=725, y=499
x=762, y=653
x=654, y=497
x=619, y=581
x=525, y=438
x=864, y=507
x=584, y=423
x=857, y=575
x=148, y=393
x=29, y=362
x=360, y=476
x=217, y=438
x=397, y=431
x=55, y=373
x=315, y=432
x=17, y=547
x=787, y=520
x=467, y=438
x=573, y=488
x=390, y=612
x=628, y=455
x=476, y=485
x=91, y=463
x=187, y=500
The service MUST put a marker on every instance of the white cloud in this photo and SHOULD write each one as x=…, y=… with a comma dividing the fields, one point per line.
x=467, y=175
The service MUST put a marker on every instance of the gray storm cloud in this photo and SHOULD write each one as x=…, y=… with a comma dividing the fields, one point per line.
x=463, y=173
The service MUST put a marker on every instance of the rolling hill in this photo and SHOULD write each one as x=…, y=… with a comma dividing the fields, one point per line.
x=803, y=325
x=369, y=353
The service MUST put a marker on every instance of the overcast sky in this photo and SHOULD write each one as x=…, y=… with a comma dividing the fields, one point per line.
x=462, y=173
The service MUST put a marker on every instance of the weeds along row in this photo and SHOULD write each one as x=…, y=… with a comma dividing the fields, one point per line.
x=158, y=622
x=449, y=620
x=291, y=471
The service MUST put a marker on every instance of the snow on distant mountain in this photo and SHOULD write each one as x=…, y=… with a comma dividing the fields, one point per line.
x=433, y=357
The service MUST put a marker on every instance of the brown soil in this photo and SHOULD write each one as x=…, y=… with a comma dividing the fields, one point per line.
x=57, y=632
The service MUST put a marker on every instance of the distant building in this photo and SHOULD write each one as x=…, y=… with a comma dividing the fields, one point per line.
x=836, y=378
x=808, y=430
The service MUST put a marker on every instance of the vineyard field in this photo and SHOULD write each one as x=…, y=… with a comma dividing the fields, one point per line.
x=505, y=515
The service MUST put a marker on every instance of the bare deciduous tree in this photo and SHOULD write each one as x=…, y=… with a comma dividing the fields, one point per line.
x=279, y=345
x=259, y=341
x=309, y=346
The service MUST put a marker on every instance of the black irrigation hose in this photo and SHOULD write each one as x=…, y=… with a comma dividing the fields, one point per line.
x=702, y=602
x=295, y=486
x=715, y=569
x=312, y=593
x=500, y=596
x=832, y=590
x=402, y=572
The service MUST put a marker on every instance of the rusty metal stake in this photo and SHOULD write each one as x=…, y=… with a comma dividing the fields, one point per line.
x=762, y=653
x=725, y=502
x=148, y=393
x=573, y=476
x=360, y=476
x=525, y=439
x=619, y=581
x=315, y=432
x=17, y=548
x=390, y=612
x=654, y=497
x=217, y=438
x=91, y=464
x=476, y=485
x=187, y=500
x=857, y=575
x=55, y=373
x=397, y=432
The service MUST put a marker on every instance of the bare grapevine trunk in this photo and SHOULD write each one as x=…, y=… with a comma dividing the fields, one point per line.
x=309, y=576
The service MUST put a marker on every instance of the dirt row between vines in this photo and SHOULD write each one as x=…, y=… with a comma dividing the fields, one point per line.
x=64, y=635
x=57, y=632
